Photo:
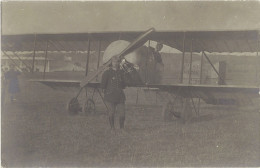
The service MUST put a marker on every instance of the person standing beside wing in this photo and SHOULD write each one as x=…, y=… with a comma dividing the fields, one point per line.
x=11, y=77
x=152, y=66
x=113, y=84
x=158, y=63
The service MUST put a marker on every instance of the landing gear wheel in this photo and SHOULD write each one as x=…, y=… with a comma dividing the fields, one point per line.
x=73, y=106
x=89, y=107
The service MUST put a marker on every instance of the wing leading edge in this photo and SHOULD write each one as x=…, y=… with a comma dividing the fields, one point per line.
x=208, y=41
x=56, y=84
x=217, y=95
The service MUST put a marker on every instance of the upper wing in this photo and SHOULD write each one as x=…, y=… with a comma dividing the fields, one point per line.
x=210, y=41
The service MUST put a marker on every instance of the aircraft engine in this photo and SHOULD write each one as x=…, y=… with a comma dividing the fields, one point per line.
x=116, y=48
x=139, y=63
x=129, y=64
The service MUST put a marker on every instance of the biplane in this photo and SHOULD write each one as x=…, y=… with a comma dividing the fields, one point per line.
x=182, y=95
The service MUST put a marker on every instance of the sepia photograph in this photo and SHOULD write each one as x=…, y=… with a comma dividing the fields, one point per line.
x=130, y=83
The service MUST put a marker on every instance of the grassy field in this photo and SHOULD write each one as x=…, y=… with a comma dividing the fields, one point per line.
x=37, y=131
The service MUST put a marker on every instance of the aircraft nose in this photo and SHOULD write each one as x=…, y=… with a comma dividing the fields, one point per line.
x=115, y=48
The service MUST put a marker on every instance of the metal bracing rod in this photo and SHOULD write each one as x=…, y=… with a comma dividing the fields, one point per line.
x=183, y=54
x=73, y=48
x=257, y=58
x=195, y=109
x=249, y=45
x=93, y=93
x=227, y=45
x=18, y=58
x=146, y=61
x=88, y=55
x=238, y=46
x=201, y=44
x=99, y=52
x=86, y=92
x=213, y=67
x=102, y=98
x=12, y=61
x=194, y=106
x=258, y=47
x=34, y=48
x=177, y=93
x=58, y=42
x=45, y=59
x=55, y=46
x=137, y=96
x=198, y=113
x=201, y=67
x=21, y=60
x=190, y=62
x=216, y=45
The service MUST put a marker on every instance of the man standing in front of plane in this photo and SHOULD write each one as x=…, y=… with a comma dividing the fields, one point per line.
x=113, y=84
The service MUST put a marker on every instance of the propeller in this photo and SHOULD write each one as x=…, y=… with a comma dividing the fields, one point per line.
x=73, y=105
x=138, y=42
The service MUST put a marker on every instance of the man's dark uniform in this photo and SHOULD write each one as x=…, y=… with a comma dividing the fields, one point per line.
x=113, y=84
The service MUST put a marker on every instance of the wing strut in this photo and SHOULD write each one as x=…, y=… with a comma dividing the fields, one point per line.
x=191, y=45
x=214, y=67
x=34, y=45
x=183, y=54
x=45, y=59
x=88, y=55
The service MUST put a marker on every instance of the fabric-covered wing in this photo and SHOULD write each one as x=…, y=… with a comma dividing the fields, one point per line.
x=217, y=95
x=209, y=41
x=56, y=84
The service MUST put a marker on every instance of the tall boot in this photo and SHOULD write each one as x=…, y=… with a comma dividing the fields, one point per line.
x=111, y=122
x=122, y=122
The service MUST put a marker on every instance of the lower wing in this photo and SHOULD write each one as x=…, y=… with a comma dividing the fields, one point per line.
x=217, y=95
x=56, y=84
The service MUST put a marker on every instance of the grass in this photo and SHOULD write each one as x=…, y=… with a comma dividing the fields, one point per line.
x=38, y=132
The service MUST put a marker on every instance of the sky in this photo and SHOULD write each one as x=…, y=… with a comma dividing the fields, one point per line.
x=82, y=17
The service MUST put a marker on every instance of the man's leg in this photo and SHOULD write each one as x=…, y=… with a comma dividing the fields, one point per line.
x=121, y=110
x=111, y=114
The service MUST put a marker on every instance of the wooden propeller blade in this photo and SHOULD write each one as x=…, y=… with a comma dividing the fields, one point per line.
x=138, y=42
